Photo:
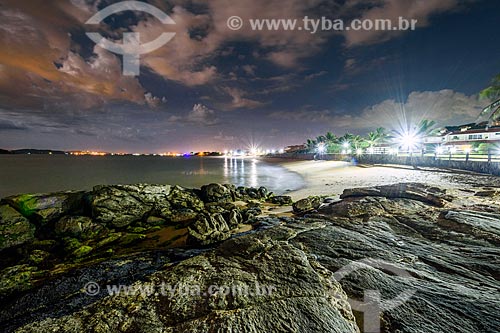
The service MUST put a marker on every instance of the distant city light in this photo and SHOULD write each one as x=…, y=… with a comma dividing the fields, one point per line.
x=359, y=151
x=439, y=150
x=321, y=148
x=346, y=144
x=453, y=150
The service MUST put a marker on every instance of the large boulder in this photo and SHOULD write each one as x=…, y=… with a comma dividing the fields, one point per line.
x=216, y=193
x=76, y=226
x=44, y=208
x=307, y=205
x=480, y=224
x=359, y=207
x=282, y=200
x=182, y=198
x=414, y=191
x=208, y=229
x=122, y=205
x=15, y=229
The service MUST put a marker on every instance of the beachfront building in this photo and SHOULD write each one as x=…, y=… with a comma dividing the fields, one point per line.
x=295, y=149
x=482, y=136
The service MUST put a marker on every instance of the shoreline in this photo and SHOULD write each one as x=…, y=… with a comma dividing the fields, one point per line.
x=331, y=178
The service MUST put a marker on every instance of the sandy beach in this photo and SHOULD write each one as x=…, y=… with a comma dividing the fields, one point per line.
x=330, y=178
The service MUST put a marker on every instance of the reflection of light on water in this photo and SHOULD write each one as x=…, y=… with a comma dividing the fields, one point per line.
x=200, y=172
x=253, y=173
x=226, y=171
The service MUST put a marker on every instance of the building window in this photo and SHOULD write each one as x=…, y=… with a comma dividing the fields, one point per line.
x=475, y=137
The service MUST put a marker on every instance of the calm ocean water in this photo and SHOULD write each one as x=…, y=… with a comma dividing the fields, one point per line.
x=47, y=173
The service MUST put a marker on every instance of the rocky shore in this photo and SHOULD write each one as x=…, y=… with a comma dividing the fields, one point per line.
x=445, y=243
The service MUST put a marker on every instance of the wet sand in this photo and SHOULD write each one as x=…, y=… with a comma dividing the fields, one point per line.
x=330, y=178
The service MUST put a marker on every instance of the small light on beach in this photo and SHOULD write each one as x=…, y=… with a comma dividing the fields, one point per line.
x=359, y=151
x=321, y=148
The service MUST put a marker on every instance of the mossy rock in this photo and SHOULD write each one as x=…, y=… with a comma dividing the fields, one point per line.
x=155, y=221
x=136, y=230
x=15, y=229
x=16, y=278
x=112, y=237
x=154, y=229
x=82, y=251
x=43, y=208
x=71, y=244
x=38, y=256
x=129, y=239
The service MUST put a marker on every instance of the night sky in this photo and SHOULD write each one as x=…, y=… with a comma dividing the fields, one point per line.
x=212, y=88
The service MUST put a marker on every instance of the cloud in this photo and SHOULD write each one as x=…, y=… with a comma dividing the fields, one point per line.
x=200, y=115
x=153, y=101
x=422, y=11
x=7, y=125
x=239, y=101
x=314, y=76
x=446, y=107
x=34, y=41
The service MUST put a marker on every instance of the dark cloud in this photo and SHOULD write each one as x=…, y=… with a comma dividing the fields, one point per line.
x=6, y=125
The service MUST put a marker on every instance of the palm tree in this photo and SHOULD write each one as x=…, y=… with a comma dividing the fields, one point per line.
x=493, y=91
x=372, y=139
x=357, y=141
x=425, y=127
x=331, y=142
x=321, y=139
x=311, y=145
x=346, y=138
x=383, y=135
